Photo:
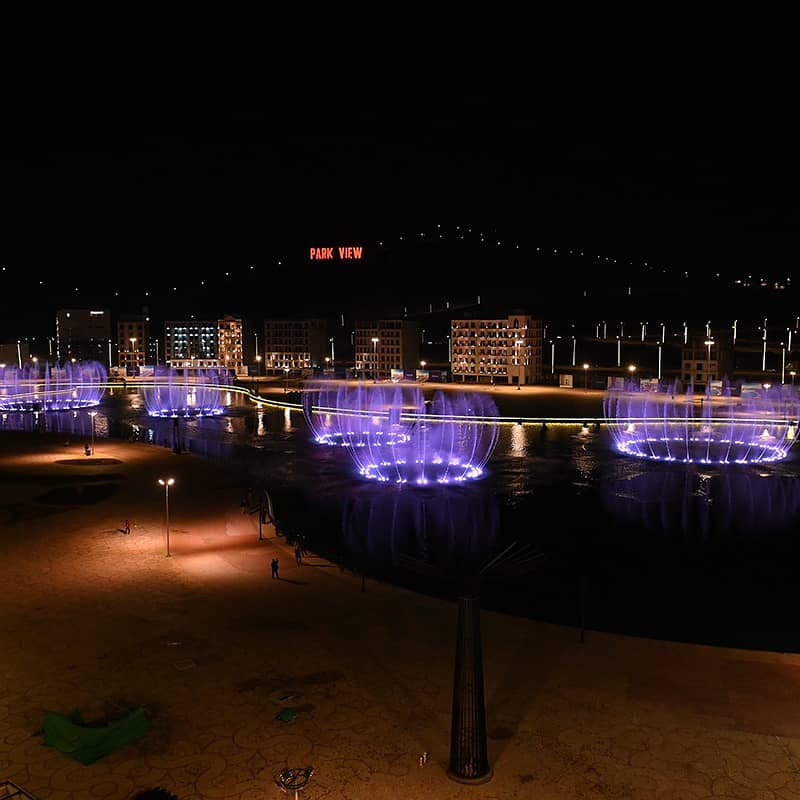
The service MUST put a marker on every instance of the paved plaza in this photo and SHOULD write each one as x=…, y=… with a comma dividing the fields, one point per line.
x=214, y=650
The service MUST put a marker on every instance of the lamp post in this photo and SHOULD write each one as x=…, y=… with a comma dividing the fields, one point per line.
x=585, y=377
x=517, y=343
x=332, y=352
x=708, y=342
x=792, y=373
x=286, y=380
x=92, y=414
x=422, y=366
x=166, y=484
x=375, y=341
x=327, y=363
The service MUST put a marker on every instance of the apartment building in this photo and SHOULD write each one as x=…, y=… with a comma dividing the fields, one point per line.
x=294, y=345
x=82, y=334
x=498, y=350
x=382, y=345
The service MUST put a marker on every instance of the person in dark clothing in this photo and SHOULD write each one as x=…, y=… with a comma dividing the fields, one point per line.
x=298, y=554
x=127, y=526
x=274, y=567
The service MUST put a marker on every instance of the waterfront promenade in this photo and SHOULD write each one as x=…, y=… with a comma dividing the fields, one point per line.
x=214, y=650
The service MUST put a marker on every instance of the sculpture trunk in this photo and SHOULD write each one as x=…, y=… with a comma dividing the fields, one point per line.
x=469, y=761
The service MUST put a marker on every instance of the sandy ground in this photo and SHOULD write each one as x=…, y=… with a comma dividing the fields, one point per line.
x=214, y=649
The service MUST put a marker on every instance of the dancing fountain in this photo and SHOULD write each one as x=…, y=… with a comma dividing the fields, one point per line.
x=52, y=387
x=185, y=393
x=394, y=435
x=718, y=429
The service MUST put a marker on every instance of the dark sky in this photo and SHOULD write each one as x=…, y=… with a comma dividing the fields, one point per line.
x=117, y=184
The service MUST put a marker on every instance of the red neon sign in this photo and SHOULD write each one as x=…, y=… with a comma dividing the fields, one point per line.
x=335, y=253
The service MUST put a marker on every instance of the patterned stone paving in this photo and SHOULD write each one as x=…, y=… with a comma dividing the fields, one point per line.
x=214, y=650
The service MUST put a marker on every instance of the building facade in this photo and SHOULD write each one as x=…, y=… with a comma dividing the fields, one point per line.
x=705, y=359
x=83, y=334
x=498, y=350
x=231, y=349
x=381, y=345
x=294, y=345
x=133, y=342
x=205, y=344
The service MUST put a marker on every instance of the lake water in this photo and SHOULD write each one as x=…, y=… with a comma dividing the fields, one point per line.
x=689, y=553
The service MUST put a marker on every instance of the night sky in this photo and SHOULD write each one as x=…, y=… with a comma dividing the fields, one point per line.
x=132, y=197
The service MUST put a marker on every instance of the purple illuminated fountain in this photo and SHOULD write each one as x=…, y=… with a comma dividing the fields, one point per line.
x=707, y=429
x=394, y=435
x=186, y=393
x=52, y=387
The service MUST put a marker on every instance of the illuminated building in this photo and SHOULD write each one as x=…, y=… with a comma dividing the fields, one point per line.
x=82, y=334
x=705, y=359
x=383, y=345
x=502, y=349
x=296, y=345
x=230, y=345
x=133, y=339
x=204, y=344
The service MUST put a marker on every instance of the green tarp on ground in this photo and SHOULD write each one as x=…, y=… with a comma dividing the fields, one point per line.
x=86, y=743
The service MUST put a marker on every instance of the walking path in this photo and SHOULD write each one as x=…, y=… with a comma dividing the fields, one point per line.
x=215, y=650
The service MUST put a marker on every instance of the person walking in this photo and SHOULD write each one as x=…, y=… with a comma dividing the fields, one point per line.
x=298, y=554
x=274, y=567
x=127, y=526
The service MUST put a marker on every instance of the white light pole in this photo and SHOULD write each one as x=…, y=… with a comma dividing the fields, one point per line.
x=332, y=353
x=375, y=341
x=619, y=352
x=585, y=377
x=517, y=343
x=166, y=484
x=792, y=373
x=552, y=357
x=735, y=323
x=783, y=363
x=92, y=414
x=286, y=380
x=659, y=359
x=573, y=350
x=708, y=344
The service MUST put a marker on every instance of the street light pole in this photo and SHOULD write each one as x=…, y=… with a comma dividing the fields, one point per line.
x=375, y=341
x=166, y=484
x=517, y=343
x=286, y=380
x=708, y=344
x=585, y=377
x=92, y=414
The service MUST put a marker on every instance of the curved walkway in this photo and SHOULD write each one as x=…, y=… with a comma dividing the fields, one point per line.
x=214, y=650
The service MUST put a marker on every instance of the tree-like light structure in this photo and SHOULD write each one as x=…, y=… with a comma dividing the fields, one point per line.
x=52, y=387
x=185, y=393
x=394, y=435
x=707, y=429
